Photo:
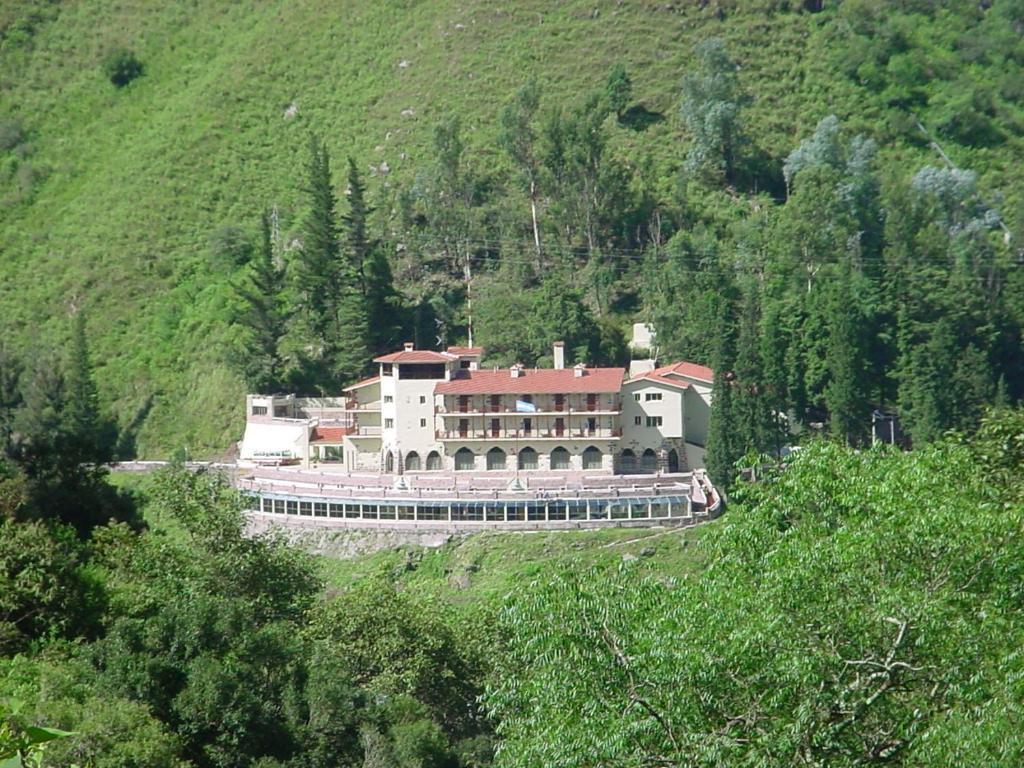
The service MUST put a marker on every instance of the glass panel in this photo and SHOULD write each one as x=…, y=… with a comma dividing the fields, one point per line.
x=557, y=510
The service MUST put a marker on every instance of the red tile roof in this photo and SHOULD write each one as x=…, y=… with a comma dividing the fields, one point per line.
x=363, y=383
x=654, y=377
x=466, y=351
x=415, y=356
x=328, y=434
x=690, y=370
x=537, y=380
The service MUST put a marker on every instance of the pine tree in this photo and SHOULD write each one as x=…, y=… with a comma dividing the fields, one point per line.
x=723, y=448
x=845, y=393
x=316, y=264
x=357, y=244
x=263, y=317
x=82, y=424
x=753, y=419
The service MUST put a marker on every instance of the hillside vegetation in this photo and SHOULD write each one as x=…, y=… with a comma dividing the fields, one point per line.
x=137, y=203
x=855, y=607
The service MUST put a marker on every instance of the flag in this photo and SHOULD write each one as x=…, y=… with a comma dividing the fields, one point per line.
x=524, y=406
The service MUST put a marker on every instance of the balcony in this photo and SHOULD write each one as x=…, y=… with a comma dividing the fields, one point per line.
x=542, y=409
x=533, y=434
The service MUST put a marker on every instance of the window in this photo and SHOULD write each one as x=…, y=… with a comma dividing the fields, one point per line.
x=259, y=410
x=527, y=426
x=652, y=396
x=495, y=427
x=423, y=422
x=527, y=459
x=389, y=423
x=495, y=459
x=433, y=461
x=636, y=396
x=627, y=461
x=464, y=364
x=654, y=421
x=388, y=399
x=423, y=399
x=560, y=458
x=592, y=458
x=422, y=371
x=495, y=402
x=281, y=411
x=464, y=459
x=591, y=425
x=386, y=369
x=649, y=461
x=638, y=420
x=412, y=462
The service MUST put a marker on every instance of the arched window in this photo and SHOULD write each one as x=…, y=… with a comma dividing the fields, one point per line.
x=592, y=458
x=412, y=462
x=433, y=461
x=560, y=458
x=495, y=459
x=464, y=459
x=389, y=462
x=527, y=459
x=627, y=462
x=673, y=460
x=649, y=461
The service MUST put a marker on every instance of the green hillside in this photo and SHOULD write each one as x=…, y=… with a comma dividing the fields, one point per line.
x=113, y=199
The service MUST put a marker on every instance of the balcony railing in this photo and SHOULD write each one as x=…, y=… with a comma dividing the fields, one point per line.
x=484, y=409
x=522, y=434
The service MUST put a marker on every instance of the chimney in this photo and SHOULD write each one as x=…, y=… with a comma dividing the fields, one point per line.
x=579, y=370
x=517, y=370
x=408, y=346
x=559, y=355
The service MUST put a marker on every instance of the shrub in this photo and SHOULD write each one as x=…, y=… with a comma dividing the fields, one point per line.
x=121, y=67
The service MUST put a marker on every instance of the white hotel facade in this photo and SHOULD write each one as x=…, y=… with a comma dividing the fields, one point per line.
x=427, y=411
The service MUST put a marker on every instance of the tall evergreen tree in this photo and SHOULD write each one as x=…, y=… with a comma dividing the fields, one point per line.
x=846, y=391
x=263, y=316
x=724, y=448
x=753, y=419
x=316, y=264
x=82, y=423
x=358, y=246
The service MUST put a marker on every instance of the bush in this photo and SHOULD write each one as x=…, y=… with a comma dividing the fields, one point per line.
x=121, y=67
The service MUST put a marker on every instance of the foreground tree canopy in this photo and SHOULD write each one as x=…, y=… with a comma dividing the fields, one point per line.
x=855, y=608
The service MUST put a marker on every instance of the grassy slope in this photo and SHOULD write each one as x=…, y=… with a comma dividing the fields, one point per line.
x=134, y=181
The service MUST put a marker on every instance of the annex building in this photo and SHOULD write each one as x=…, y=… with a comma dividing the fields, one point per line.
x=433, y=411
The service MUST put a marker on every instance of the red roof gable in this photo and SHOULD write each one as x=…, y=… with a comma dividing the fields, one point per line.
x=361, y=384
x=653, y=376
x=536, y=381
x=415, y=356
x=690, y=370
x=328, y=434
x=466, y=351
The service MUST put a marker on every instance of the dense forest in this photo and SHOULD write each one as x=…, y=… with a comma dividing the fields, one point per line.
x=820, y=200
